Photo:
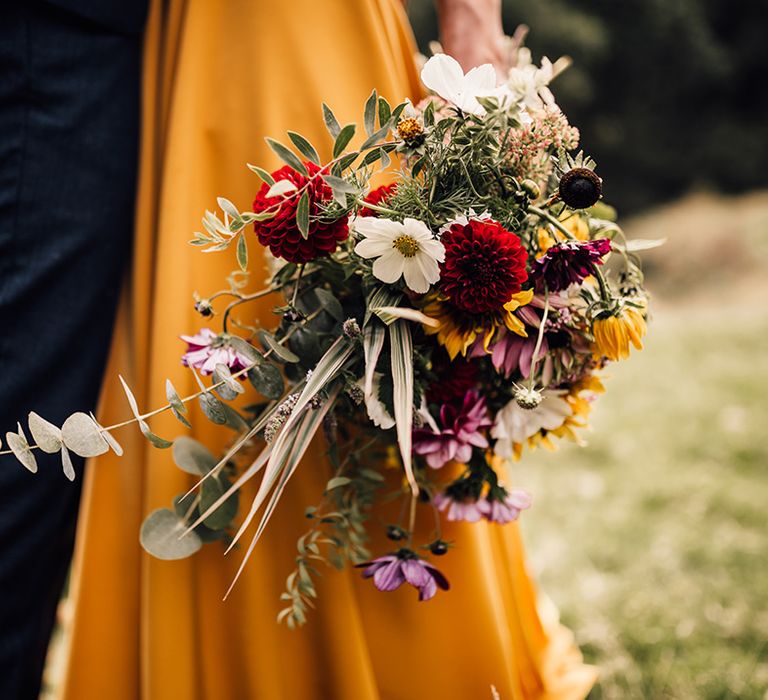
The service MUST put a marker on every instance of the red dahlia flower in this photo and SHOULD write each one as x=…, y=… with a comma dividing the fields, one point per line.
x=569, y=263
x=281, y=234
x=378, y=196
x=484, y=265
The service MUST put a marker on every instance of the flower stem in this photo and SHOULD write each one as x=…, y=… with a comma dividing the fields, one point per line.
x=552, y=220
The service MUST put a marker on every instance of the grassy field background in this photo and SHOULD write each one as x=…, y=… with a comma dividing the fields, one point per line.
x=653, y=540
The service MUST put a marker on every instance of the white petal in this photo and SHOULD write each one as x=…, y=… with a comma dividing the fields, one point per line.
x=414, y=275
x=442, y=74
x=480, y=80
x=389, y=267
x=373, y=247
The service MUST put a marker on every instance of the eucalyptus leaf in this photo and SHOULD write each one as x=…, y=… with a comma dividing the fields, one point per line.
x=243, y=347
x=177, y=405
x=287, y=156
x=46, y=435
x=212, y=408
x=161, y=536
x=228, y=207
x=263, y=174
x=267, y=380
x=155, y=440
x=280, y=188
x=385, y=111
x=20, y=448
x=113, y=444
x=192, y=457
x=279, y=350
x=82, y=435
x=66, y=463
x=230, y=387
x=210, y=492
x=330, y=303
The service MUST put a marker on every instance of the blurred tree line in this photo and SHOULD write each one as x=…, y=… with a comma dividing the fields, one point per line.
x=667, y=94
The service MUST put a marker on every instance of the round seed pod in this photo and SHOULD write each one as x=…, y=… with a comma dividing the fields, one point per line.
x=580, y=188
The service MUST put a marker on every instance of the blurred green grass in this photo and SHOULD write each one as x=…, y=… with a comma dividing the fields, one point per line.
x=653, y=540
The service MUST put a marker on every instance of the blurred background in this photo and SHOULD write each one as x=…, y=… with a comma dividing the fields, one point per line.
x=653, y=540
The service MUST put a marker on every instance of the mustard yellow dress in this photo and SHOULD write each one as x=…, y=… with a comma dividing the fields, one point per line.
x=219, y=76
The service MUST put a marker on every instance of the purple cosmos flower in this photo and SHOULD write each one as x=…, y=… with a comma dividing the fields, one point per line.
x=207, y=349
x=507, y=509
x=404, y=566
x=461, y=431
x=468, y=509
x=568, y=263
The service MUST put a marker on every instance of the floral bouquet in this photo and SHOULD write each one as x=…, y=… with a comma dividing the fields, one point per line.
x=444, y=323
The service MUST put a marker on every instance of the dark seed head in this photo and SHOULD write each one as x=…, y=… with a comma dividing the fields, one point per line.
x=438, y=548
x=395, y=533
x=291, y=316
x=204, y=308
x=580, y=188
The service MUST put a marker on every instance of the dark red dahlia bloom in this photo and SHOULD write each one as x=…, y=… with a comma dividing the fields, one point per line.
x=377, y=196
x=484, y=265
x=280, y=233
x=568, y=263
x=453, y=378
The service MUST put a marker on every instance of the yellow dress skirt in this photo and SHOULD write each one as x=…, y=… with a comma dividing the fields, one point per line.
x=219, y=76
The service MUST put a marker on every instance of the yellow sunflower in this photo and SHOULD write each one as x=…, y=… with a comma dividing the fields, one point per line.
x=615, y=331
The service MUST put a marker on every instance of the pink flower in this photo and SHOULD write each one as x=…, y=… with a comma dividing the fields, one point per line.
x=404, y=566
x=509, y=508
x=461, y=432
x=207, y=349
x=469, y=509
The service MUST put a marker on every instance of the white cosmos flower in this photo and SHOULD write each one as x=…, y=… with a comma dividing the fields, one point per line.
x=530, y=84
x=443, y=75
x=514, y=424
x=402, y=249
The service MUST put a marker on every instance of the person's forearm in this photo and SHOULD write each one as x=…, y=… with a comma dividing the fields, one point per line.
x=471, y=32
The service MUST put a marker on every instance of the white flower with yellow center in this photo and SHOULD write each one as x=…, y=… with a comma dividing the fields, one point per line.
x=515, y=424
x=402, y=249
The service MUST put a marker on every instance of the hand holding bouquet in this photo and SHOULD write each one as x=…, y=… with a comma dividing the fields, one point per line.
x=453, y=317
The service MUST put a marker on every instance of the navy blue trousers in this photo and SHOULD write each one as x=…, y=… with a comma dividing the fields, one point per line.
x=69, y=123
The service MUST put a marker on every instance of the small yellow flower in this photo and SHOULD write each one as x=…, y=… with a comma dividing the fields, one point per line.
x=409, y=129
x=457, y=331
x=548, y=236
x=614, y=333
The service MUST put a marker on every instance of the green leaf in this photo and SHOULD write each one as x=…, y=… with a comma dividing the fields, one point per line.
x=280, y=188
x=245, y=348
x=287, y=156
x=177, y=405
x=20, y=448
x=344, y=137
x=340, y=184
x=302, y=215
x=210, y=492
x=66, y=464
x=331, y=123
x=385, y=111
x=46, y=435
x=81, y=435
x=263, y=174
x=330, y=304
x=192, y=457
x=336, y=482
x=213, y=409
x=344, y=162
x=305, y=147
x=375, y=137
x=242, y=253
x=161, y=536
x=114, y=445
x=156, y=440
x=230, y=387
x=279, y=350
x=267, y=380
x=369, y=116
x=227, y=206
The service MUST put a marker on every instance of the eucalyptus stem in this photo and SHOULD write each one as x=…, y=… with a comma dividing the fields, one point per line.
x=242, y=299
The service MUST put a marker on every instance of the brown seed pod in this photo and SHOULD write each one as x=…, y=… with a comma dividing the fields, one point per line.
x=580, y=188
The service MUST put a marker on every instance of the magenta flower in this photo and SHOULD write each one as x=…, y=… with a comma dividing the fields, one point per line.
x=207, y=349
x=568, y=263
x=509, y=508
x=513, y=352
x=404, y=566
x=468, y=509
x=461, y=432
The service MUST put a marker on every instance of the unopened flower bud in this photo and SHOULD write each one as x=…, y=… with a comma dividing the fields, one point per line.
x=530, y=188
x=580, y=188
x=395, y=533
x=204, y=307
x=438, y=548
x=351, y=329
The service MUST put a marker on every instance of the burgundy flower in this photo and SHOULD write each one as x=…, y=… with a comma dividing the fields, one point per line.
x=377, y=196
x=404, y=566
x=207, y=349
x=453, y=378
x=484, y=265
x=460, y=432
x=281, y=234
x=568, y=263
